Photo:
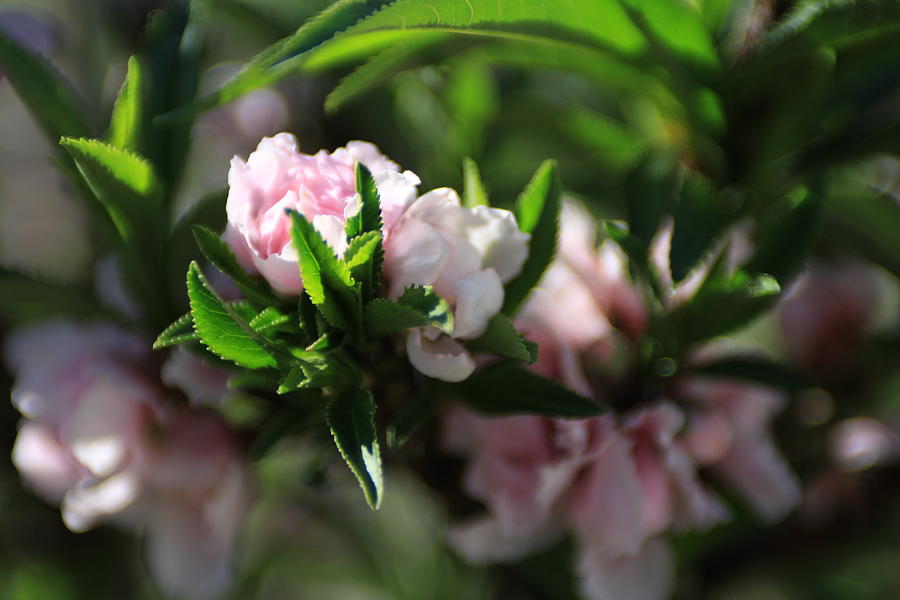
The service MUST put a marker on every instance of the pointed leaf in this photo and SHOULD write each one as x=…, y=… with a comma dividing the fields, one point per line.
x=269, y=318
x=537, y=212
x=384, y=317
x=426, y=302
x=506, y=388
x=502, y=339
x=757, y=369
x=43, y=91
x=182, y=330
x=24, y=297
x=219, y=254
x=326, y=278
x=473, y=189
x=123, y=182
x=351, y=417
x=126, y=127
x=368, y=218
x=221, y=329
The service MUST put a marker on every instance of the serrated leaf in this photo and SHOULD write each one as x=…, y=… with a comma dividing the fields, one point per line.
x=368, y=217
x=327, y=342
x=219, y=254
x=701, y=217
x=123, y=182
x=433, y=308
x=43, y=91
x=364, y=257
x=126, y=126
x=181, y=330
x=537, y=212
x=758, y=369
x=502, y=339
x=24, y=297
x=351, y=417
x=269, y=318
x=221, y=329
x=505, y=388
x=326, y=278
x=473, y=189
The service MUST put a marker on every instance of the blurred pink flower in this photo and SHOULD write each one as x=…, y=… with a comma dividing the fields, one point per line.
x=203, y=385
x=99, y=439
x=321, y=187
x=466, y=255
x=827, y=314
x=587, y=282
x=616, y=487
x=729, y=431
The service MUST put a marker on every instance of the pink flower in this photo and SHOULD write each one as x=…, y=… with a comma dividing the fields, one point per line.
x=99, y=439
x=321, y=187
x=587, y=282
x=827, y=315
x=616, y=487
x=466, y=255
x=730, y=432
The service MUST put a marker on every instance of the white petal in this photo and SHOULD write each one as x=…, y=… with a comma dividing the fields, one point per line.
x=647, y=575
x=83, y=506
x=415, y=254
x=479, y=296
x=332, y=230
x=44, y=462
x=502, y=245
x=442, y=359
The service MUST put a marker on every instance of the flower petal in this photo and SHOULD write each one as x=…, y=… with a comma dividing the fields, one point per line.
x=442, y=359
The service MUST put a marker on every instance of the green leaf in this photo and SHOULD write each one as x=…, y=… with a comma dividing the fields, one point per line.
x=473, y=189
x=181, y=330
x=505, y=388
x=725, y=303
x=867, y=221
x=651, y=193
x=271, y=64
x=24, y=298
x=269, y=318
x=43, y=91
x=351, y=417
x=221, y=329
x=426, y=302
x=417, y=307
x=126, y=127
x=326, y=278
x=220, y=255
x=395, y=58
x=537, y=212
x=787, y=236
x=678, y=27
x=700, y=218
x=172, y=54
x=124, y=183
x=368, y=218
x=343, y=33
x=384, y=317
x=182, y=248
x=502, y=339
x=757, y=369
